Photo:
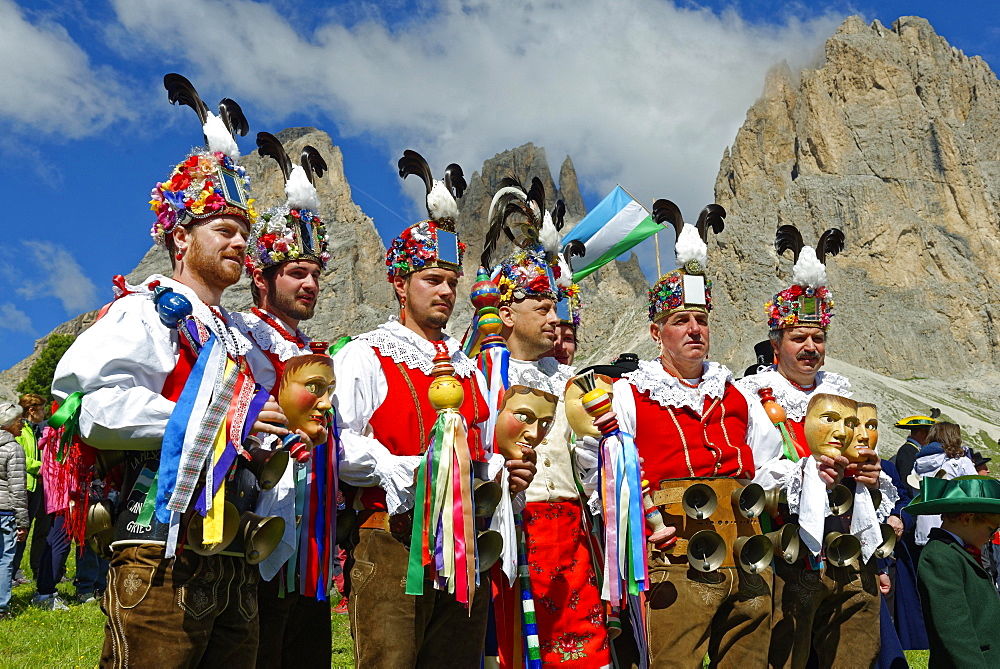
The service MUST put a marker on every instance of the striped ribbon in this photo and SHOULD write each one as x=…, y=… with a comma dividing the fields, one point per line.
x=625, y=568
x=317, y=529
x=444, y=535
x=529, y=629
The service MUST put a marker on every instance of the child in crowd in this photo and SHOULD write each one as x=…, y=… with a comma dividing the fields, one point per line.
x=961, y=607
x=13, y=498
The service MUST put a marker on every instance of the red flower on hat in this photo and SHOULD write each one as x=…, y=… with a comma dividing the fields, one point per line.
x=539, y=284
x=192, y=161
x=180, y=181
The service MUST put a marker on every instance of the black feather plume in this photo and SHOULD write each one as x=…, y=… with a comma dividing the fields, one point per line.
x=712, y=217
x=454, y=180
x=181, y=91
x=268, y=145
x=232, y=115
x=573, y=248
x=559, y=214
x=665, y=211
x=414, y=163
x=788, y=237
x=312, y=162
x=536, y=194
x=830, y=244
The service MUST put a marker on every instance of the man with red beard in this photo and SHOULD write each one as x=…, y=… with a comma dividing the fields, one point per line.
x=833, y=610
x=286, y=256
x=134, y=374
x=386, y=419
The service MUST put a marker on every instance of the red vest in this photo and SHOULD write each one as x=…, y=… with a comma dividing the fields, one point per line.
x=687, y=445
x=403, y=422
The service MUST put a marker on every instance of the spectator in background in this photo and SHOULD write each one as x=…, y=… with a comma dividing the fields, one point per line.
x=919, y=427
x=35, y=414
x=980, y=463
x=13, y=499
x=944, y=457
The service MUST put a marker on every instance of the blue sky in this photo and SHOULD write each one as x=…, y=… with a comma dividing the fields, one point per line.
x=643, y=92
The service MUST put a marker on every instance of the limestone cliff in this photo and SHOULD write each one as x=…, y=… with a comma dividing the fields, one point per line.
x=896, y=140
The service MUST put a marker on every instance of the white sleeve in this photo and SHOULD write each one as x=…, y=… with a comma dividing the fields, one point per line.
x=765, y=442
x=361, y=389
x=120, y=364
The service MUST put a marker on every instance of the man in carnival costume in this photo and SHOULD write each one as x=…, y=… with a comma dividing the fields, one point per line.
x=536, y=297
x=142, y=380
x=386, y=422
x=830, y=608
x=690, y=422
x=286, y=255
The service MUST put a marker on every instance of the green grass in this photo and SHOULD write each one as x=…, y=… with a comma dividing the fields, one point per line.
x=62, y=639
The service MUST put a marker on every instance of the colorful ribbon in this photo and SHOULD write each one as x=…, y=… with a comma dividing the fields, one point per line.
x=68, y=418
x=443, y=529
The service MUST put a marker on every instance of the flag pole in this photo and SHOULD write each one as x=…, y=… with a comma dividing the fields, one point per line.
x=656, y=237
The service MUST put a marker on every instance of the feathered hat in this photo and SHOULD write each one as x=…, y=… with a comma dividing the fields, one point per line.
x=294, y=231
x=536, y=268
x=208, y=182
x=432, y=242
x=807, y=302
x=685, y=288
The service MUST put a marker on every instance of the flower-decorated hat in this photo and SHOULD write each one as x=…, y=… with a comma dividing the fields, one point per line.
x=294, y=231
x=685, y=288
x=432, y=242
x=536, y=268
x=208, y=182
x=808, y=301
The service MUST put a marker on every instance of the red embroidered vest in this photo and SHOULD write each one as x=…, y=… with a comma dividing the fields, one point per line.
x=687, y=445
x=403, y=422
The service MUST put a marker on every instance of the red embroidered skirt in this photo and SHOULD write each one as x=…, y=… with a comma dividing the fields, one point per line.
x=568, y=606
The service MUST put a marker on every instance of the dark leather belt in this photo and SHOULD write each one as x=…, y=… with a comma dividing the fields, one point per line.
x=401, y=524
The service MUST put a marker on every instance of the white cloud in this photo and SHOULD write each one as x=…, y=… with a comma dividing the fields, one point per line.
x=12, y=318
x=48, y=82
x=643, y=93
x=64, y=280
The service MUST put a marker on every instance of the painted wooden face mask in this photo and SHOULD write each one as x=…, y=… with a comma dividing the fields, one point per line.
x=866, y=434
x=524, y=420
x=305, y=392
x=831, y=421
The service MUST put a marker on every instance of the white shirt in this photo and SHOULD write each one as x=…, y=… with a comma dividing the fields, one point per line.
x=361, y=390
x=121, y=363
x=267, y=339
x=794, y=401
x=554, y=480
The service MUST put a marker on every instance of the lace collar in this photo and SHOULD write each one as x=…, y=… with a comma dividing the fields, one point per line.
x=395, y=340
x=667, y=391
x=794, y=401
x=542, y=374
x=236, y=342
x=267, y=337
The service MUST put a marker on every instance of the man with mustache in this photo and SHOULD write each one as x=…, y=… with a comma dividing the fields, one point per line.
x=690, y=421
x=832, y=610
x=134, y=372
x=535, y=284
x=287, y=254
x=385, y=419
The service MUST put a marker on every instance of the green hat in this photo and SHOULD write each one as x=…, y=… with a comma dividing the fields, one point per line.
x=963, y=494
x=915, y=422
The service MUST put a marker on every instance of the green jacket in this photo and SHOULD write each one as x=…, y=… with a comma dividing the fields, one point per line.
x=960, y=605
x=32, y=456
